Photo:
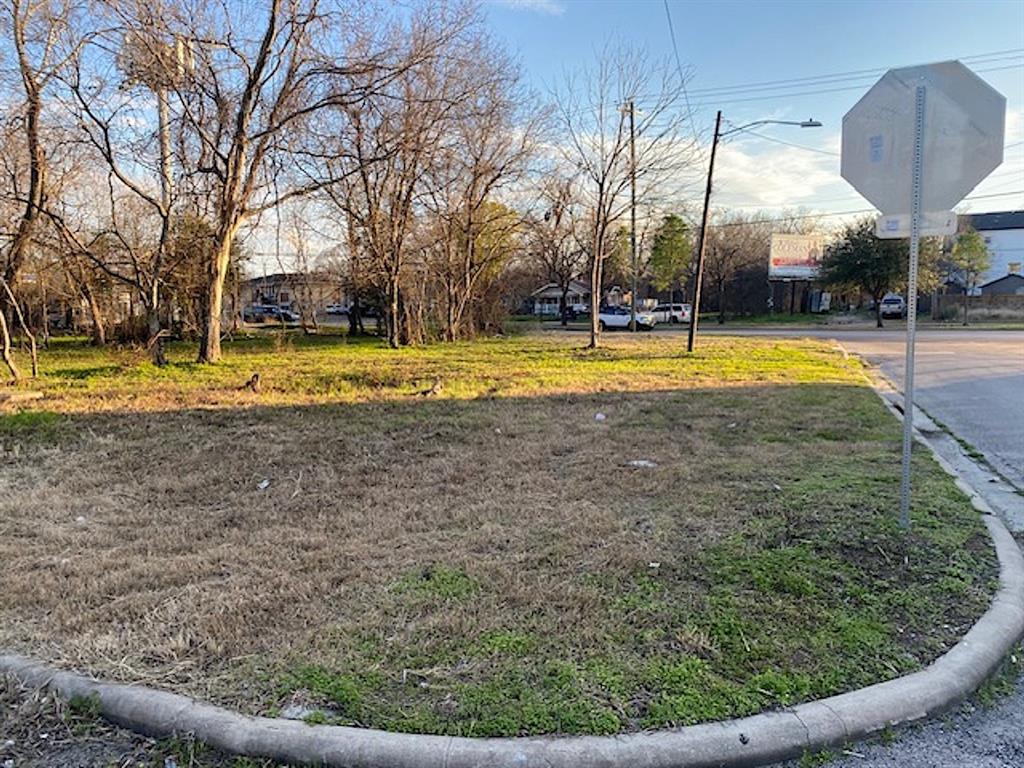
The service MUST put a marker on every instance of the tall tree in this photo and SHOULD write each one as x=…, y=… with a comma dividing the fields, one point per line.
x=41, y=47
x=735, y=242
x=971, y=257
x=591, y=112
x=860, y=260
x=671, y=251
x=553, y=236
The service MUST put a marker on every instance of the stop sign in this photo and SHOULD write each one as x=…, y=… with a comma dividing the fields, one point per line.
x=964, y=122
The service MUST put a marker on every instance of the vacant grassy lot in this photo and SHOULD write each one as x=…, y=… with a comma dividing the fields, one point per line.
x=483, y=560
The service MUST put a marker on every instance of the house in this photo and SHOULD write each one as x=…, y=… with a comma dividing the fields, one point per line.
x=1007, y=285
x=546, y=299
x=1004, y=235
x=294, y=290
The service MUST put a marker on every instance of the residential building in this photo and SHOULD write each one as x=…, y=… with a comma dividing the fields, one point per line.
x=294, y=290
x=547, y=298
x=1004, y=235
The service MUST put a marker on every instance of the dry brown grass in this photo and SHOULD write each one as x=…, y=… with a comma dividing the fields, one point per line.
x=422, y=547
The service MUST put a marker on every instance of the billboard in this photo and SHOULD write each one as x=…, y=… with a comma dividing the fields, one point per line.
x=795, y=257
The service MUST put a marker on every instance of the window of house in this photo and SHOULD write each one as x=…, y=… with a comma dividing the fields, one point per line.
x=1013, y=268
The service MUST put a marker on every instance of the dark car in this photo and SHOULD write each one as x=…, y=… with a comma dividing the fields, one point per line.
x=256, y=313
x=282, y=314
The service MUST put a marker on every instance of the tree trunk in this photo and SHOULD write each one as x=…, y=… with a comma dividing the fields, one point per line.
x=563, y=307
x=99, y=331
x=355, y=320
x=721, y=303
x=878, y=311
x=965, y=303
x=156, y=336
x=394, y=316
x=5, y=348
x=595, y=300
x=209, y=342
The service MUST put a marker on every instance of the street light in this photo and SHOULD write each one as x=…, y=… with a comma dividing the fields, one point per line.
x=719, y=133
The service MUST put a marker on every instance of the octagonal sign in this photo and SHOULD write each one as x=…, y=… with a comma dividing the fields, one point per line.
x=964, y=123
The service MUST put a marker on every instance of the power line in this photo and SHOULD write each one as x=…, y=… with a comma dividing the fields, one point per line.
x=798, y=94
x=682, y=81
x=846, y=213
x=793, y=82
x=790, y=143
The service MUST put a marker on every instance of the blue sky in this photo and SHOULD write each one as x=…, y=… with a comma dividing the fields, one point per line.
x=743, y=43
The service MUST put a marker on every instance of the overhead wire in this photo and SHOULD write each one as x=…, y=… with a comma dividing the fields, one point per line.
x=836, y=77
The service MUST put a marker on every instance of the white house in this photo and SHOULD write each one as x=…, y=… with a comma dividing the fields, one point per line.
x=546, y=298
x=1004, y=236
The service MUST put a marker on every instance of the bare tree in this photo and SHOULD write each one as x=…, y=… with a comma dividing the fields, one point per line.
x=395, y=133
x=734, y=242
x=591, y=112
x=553, y=236
x=41, y=46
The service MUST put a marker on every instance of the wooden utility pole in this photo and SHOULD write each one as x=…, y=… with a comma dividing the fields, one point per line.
x=695, y=312
x=632, y=214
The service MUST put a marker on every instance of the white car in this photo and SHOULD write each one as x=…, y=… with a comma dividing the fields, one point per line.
x=618, y=317
x=672, y=313
x=893, y=305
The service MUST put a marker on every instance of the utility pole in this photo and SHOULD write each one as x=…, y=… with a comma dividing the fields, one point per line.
x=632, y=214
x=695, y=311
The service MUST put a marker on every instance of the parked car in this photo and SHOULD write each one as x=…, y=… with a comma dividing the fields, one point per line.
x=336, y=309
x=672, y=313
x=262, y=313
x=618, y=317
x=284, y=315
x=893, y=306
x=255, y=313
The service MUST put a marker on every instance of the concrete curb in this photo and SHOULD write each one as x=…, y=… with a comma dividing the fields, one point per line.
x=752, y=741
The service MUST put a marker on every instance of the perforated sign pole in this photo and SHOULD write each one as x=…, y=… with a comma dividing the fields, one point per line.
x=915, y=244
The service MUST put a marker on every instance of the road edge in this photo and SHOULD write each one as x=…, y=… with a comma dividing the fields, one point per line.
x=743, y=743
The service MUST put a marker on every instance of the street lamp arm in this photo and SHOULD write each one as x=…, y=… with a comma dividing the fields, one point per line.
x=801, y=123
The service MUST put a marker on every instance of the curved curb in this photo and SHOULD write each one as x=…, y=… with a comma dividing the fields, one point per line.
x=751, y=741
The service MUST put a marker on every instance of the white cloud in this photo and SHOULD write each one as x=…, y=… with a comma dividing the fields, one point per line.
x=755, y=174
x=547, y=7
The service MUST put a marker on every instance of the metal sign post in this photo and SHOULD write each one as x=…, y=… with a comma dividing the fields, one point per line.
x=886, y=147
x=915, y=245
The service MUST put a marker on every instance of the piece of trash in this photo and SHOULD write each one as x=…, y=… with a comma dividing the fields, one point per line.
x=599, y=417
x=263, y=484
x=497, y=430
x=776, y=486
x=170, y=762
x=733, y=425
x=80, y=519
x=641, y=464
x=654, y=565
x=9, y=763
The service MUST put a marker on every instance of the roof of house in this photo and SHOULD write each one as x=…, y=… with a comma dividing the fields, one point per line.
x=575, y=286
x=988, y=222
x=288, y=277
x=1010, y=276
